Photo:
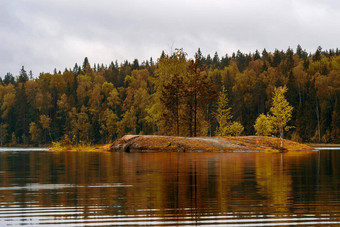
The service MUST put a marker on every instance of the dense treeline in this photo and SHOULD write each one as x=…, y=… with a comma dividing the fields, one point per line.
x=174, y=96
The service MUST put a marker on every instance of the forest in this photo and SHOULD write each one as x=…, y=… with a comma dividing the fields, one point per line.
x=174, y=95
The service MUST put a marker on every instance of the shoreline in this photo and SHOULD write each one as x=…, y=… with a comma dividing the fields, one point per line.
x=127, y=141
x=56, y=147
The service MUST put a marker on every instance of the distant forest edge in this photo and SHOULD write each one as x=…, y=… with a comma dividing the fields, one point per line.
x=175, y=95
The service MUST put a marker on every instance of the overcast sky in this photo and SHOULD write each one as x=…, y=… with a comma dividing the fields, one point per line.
x=46, y=34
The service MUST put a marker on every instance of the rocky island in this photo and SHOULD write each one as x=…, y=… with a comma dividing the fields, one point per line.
x=155, y=143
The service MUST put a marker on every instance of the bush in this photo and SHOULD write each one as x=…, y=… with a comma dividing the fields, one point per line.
x=236, y=129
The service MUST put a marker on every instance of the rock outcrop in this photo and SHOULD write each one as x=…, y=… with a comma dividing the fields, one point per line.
x=152, y=143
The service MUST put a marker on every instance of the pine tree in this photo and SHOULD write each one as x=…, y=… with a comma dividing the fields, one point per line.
x=216, y=60
x=317, y=54
x=85, y=63
x=277, y=58
x=23, y=77
x=257, y=55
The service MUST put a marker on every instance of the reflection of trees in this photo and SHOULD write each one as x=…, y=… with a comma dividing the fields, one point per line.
x=274, y=182
x=183, y=183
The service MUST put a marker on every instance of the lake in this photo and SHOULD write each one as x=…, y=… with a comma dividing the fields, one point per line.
x=167, y=189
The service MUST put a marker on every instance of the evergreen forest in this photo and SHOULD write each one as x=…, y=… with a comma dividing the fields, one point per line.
x=174, y=95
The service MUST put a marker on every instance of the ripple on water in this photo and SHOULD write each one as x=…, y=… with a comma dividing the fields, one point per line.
x=88, y=216
x=169, y=189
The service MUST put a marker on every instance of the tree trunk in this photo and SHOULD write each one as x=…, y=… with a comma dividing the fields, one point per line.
x=49, y=133
x=281, y=137
x=318, y=117
x=177, y=118
x=195, y=115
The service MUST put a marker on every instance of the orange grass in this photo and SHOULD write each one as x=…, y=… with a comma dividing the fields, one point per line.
x=207, y=144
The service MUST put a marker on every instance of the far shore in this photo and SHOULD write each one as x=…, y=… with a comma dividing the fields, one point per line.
x=56, y=146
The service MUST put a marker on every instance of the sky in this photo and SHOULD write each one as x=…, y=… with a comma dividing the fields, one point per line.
x=42, y=35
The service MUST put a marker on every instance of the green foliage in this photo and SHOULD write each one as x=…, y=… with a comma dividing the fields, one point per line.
x=263, y=125
x=296, y=137
x=280, y=115
x=281, y=110
x=108, y=125
x=128, y=124
x=236, y=129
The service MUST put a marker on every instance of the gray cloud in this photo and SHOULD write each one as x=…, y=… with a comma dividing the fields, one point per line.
x=45, y=34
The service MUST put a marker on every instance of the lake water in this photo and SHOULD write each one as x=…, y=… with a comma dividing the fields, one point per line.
x=167, y=189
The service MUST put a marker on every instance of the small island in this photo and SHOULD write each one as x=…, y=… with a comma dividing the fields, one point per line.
x=155, y=143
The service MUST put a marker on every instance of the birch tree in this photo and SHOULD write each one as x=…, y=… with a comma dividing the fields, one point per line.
x=281, y=111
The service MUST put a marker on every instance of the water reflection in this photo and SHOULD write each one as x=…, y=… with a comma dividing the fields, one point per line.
x=89, y=188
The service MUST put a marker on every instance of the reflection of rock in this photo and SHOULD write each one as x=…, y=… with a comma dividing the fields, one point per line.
x=150, y=143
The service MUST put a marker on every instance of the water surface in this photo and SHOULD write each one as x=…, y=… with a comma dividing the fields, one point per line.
x=210, y=189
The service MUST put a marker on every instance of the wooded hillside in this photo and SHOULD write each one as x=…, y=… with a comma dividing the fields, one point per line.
x=175, y=95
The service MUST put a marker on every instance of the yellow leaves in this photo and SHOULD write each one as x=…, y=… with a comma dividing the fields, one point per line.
x=281, y=113
x=95, y=98
x=256, y=65
x=6, y=89
x=236, y=129
x=8, y=102
x=281, y=110
x=270, y=78
x=107, y=87
x=334, y=80
x=327, y=85
x=31, y=87
x=34, y=131
x=58, y=82
x=113, y=98
x=140, y=78
x=128, y=80
x=45, y=121
x=43, y=100
x=170, y=66
x=68, y=77
x=246, y=81
x=318, y=66
x=84, y=85
x=154, y=112
x=323, y=87
x=223, y=115
x=263, y=125
x=108, y=124
x=7, y=99
x=44, y=81
x=83, y=124
x=99, y=79
x=300, y=75
x=128, y=123
x=63, y=103
x=224, y=118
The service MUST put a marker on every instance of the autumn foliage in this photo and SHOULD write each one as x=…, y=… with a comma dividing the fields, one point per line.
x=175, y=95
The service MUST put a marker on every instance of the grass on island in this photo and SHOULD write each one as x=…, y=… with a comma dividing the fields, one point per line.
x=58, y=146
x=323, y=145
x=162, y=143
x=225, y=144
